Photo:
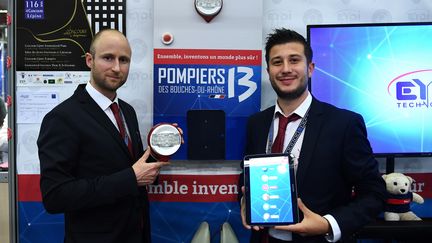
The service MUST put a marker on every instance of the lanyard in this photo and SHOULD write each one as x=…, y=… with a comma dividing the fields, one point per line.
x=294, y=138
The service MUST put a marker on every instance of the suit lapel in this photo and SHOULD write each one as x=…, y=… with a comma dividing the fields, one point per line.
x=310, y=139
x=92, y=108
x=263, y=133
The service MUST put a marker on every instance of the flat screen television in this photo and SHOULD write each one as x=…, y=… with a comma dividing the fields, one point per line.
x=382, y=71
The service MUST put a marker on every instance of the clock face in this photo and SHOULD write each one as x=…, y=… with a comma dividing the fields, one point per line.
x=208, y=7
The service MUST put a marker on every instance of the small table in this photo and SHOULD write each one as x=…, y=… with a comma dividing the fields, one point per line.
x=413, y=231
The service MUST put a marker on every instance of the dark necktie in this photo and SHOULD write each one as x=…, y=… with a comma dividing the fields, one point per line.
x=116, y=111
x=277, y=147
x=278, y=143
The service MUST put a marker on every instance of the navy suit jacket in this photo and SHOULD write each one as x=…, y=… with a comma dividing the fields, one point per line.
x=86, y=173
x=335, y=157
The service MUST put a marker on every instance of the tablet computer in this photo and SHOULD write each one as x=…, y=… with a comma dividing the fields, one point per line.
x=270, y=190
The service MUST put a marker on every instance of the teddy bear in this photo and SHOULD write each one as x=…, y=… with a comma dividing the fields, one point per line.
x=399, y=197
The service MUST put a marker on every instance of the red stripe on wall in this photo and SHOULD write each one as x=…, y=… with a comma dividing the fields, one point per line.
x=171, y=188
x=422, y=184
x=195, y=188
x=211, y=57
x=29, y=189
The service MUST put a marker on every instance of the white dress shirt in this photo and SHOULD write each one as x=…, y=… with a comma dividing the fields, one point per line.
x=104, y=103
x=289, y=133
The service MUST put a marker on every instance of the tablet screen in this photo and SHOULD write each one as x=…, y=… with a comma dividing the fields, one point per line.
x=270, y=190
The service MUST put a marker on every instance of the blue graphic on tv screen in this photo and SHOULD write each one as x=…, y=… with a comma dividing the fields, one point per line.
x=34, y=9
x=383, y=72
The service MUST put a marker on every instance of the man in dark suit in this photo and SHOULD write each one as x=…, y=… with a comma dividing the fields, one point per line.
x=339, y=186
x=87, y=170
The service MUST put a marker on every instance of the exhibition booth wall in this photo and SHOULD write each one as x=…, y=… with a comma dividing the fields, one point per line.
x=198, y=186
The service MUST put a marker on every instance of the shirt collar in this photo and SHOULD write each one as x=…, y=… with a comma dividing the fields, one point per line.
x=99, y=98
x=300, y=110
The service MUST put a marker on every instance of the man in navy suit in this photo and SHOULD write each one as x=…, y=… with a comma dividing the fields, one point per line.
x=87, y=171
x=339, y=186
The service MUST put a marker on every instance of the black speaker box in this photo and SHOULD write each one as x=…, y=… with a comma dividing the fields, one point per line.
x=206, y=134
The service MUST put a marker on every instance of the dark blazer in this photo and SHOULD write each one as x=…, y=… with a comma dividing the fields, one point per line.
x=335, y=157
x=86, y=173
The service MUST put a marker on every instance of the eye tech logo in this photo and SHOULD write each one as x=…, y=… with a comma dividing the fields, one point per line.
x=412, y=89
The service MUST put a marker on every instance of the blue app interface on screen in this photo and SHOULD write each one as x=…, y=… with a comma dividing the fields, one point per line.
x=270, y=190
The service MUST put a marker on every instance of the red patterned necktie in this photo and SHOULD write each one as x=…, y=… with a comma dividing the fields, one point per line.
x=278, y=143
x=116, y=111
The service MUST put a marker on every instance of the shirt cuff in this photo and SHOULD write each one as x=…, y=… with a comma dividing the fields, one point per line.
x=336, y=233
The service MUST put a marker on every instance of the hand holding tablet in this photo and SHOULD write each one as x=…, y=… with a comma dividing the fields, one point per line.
x=270, y=190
